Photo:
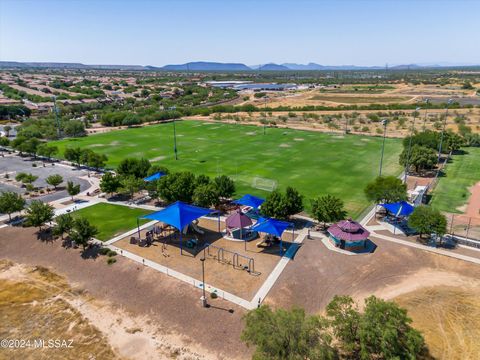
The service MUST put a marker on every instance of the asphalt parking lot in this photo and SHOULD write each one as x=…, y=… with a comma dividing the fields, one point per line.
x=13, y=164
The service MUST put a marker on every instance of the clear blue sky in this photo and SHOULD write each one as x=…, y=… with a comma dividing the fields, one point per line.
x=159, y=32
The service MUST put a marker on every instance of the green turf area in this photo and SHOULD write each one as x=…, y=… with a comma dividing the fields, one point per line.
x=315, y=163
x=452, y=189
x=111, y=220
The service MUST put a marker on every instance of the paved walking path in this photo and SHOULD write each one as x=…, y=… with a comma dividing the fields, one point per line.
x=428, y=248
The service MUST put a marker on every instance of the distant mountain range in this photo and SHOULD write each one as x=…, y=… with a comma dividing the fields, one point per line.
x=217, y=66
x=206, y=66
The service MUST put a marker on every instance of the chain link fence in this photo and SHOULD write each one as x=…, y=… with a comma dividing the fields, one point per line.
x=463, y=226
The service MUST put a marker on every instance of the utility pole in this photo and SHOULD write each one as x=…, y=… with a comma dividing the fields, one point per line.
x=265, y=112
x=410, y=144
x=384, y=123
x=427, y=101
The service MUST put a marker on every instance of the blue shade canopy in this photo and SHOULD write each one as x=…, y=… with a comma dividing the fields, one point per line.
x=178, y=214
x=250, y=200
x=400, y=208
x=271, y=226
x=155, y=176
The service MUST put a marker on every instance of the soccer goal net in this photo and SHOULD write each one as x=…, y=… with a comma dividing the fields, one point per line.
x=264, y=184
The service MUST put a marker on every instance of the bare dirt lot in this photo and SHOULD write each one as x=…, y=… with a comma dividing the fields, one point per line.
x=448, y=316
x=310, y=280
x=170, y=307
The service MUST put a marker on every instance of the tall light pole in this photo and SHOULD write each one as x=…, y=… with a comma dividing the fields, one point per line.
x=407, y=160
x=449, y=102
x=204, y=297
x=57, y=121
x=427, y=101
x=175, y=140
x=265, y=112
x=384, y=123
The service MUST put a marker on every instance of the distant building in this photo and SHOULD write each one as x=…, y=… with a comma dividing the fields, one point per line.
x=249, y=85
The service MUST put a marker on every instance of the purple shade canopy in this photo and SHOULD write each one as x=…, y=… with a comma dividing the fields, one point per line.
x=238, y=220
x=348, y=230
x=349, y=226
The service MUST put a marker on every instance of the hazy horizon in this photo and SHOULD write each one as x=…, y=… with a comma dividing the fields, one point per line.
x=157, y=33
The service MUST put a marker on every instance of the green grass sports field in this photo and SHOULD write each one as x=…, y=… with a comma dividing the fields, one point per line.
x=112, y=220
x=315, y=163
x=462, y=173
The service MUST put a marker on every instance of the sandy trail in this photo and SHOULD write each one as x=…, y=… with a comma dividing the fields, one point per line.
x=424, y=278
x=132, y=337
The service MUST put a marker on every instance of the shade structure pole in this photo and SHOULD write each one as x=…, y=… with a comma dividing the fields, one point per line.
x=204, y=297
x=218, y=221
x=244, y=240
x=281, y=246
x=181, y=243
x=138, y=229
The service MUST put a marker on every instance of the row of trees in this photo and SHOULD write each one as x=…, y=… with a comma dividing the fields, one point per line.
x=86, y=157
x=31, y=146
x=38, y=213
x=78, y=229
x=382, y=331
x=183, y=186
x=13, y=111
x=425, y=146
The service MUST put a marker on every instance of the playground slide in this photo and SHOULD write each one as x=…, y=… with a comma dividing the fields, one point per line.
x=197, y=229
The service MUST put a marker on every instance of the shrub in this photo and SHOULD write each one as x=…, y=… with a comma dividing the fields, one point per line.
x=111, y=261
x=111, y=253
x=104, y=251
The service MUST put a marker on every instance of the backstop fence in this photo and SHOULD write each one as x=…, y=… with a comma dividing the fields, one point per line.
x=463, y=226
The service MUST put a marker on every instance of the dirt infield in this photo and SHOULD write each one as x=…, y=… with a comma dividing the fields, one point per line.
x=473, y=206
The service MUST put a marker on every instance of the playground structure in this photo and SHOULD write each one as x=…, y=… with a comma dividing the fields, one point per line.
x=219, y=255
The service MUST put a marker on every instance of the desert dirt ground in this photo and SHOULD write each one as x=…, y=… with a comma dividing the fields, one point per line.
x=448, y=316
x=341, y=95
x=173, y=308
